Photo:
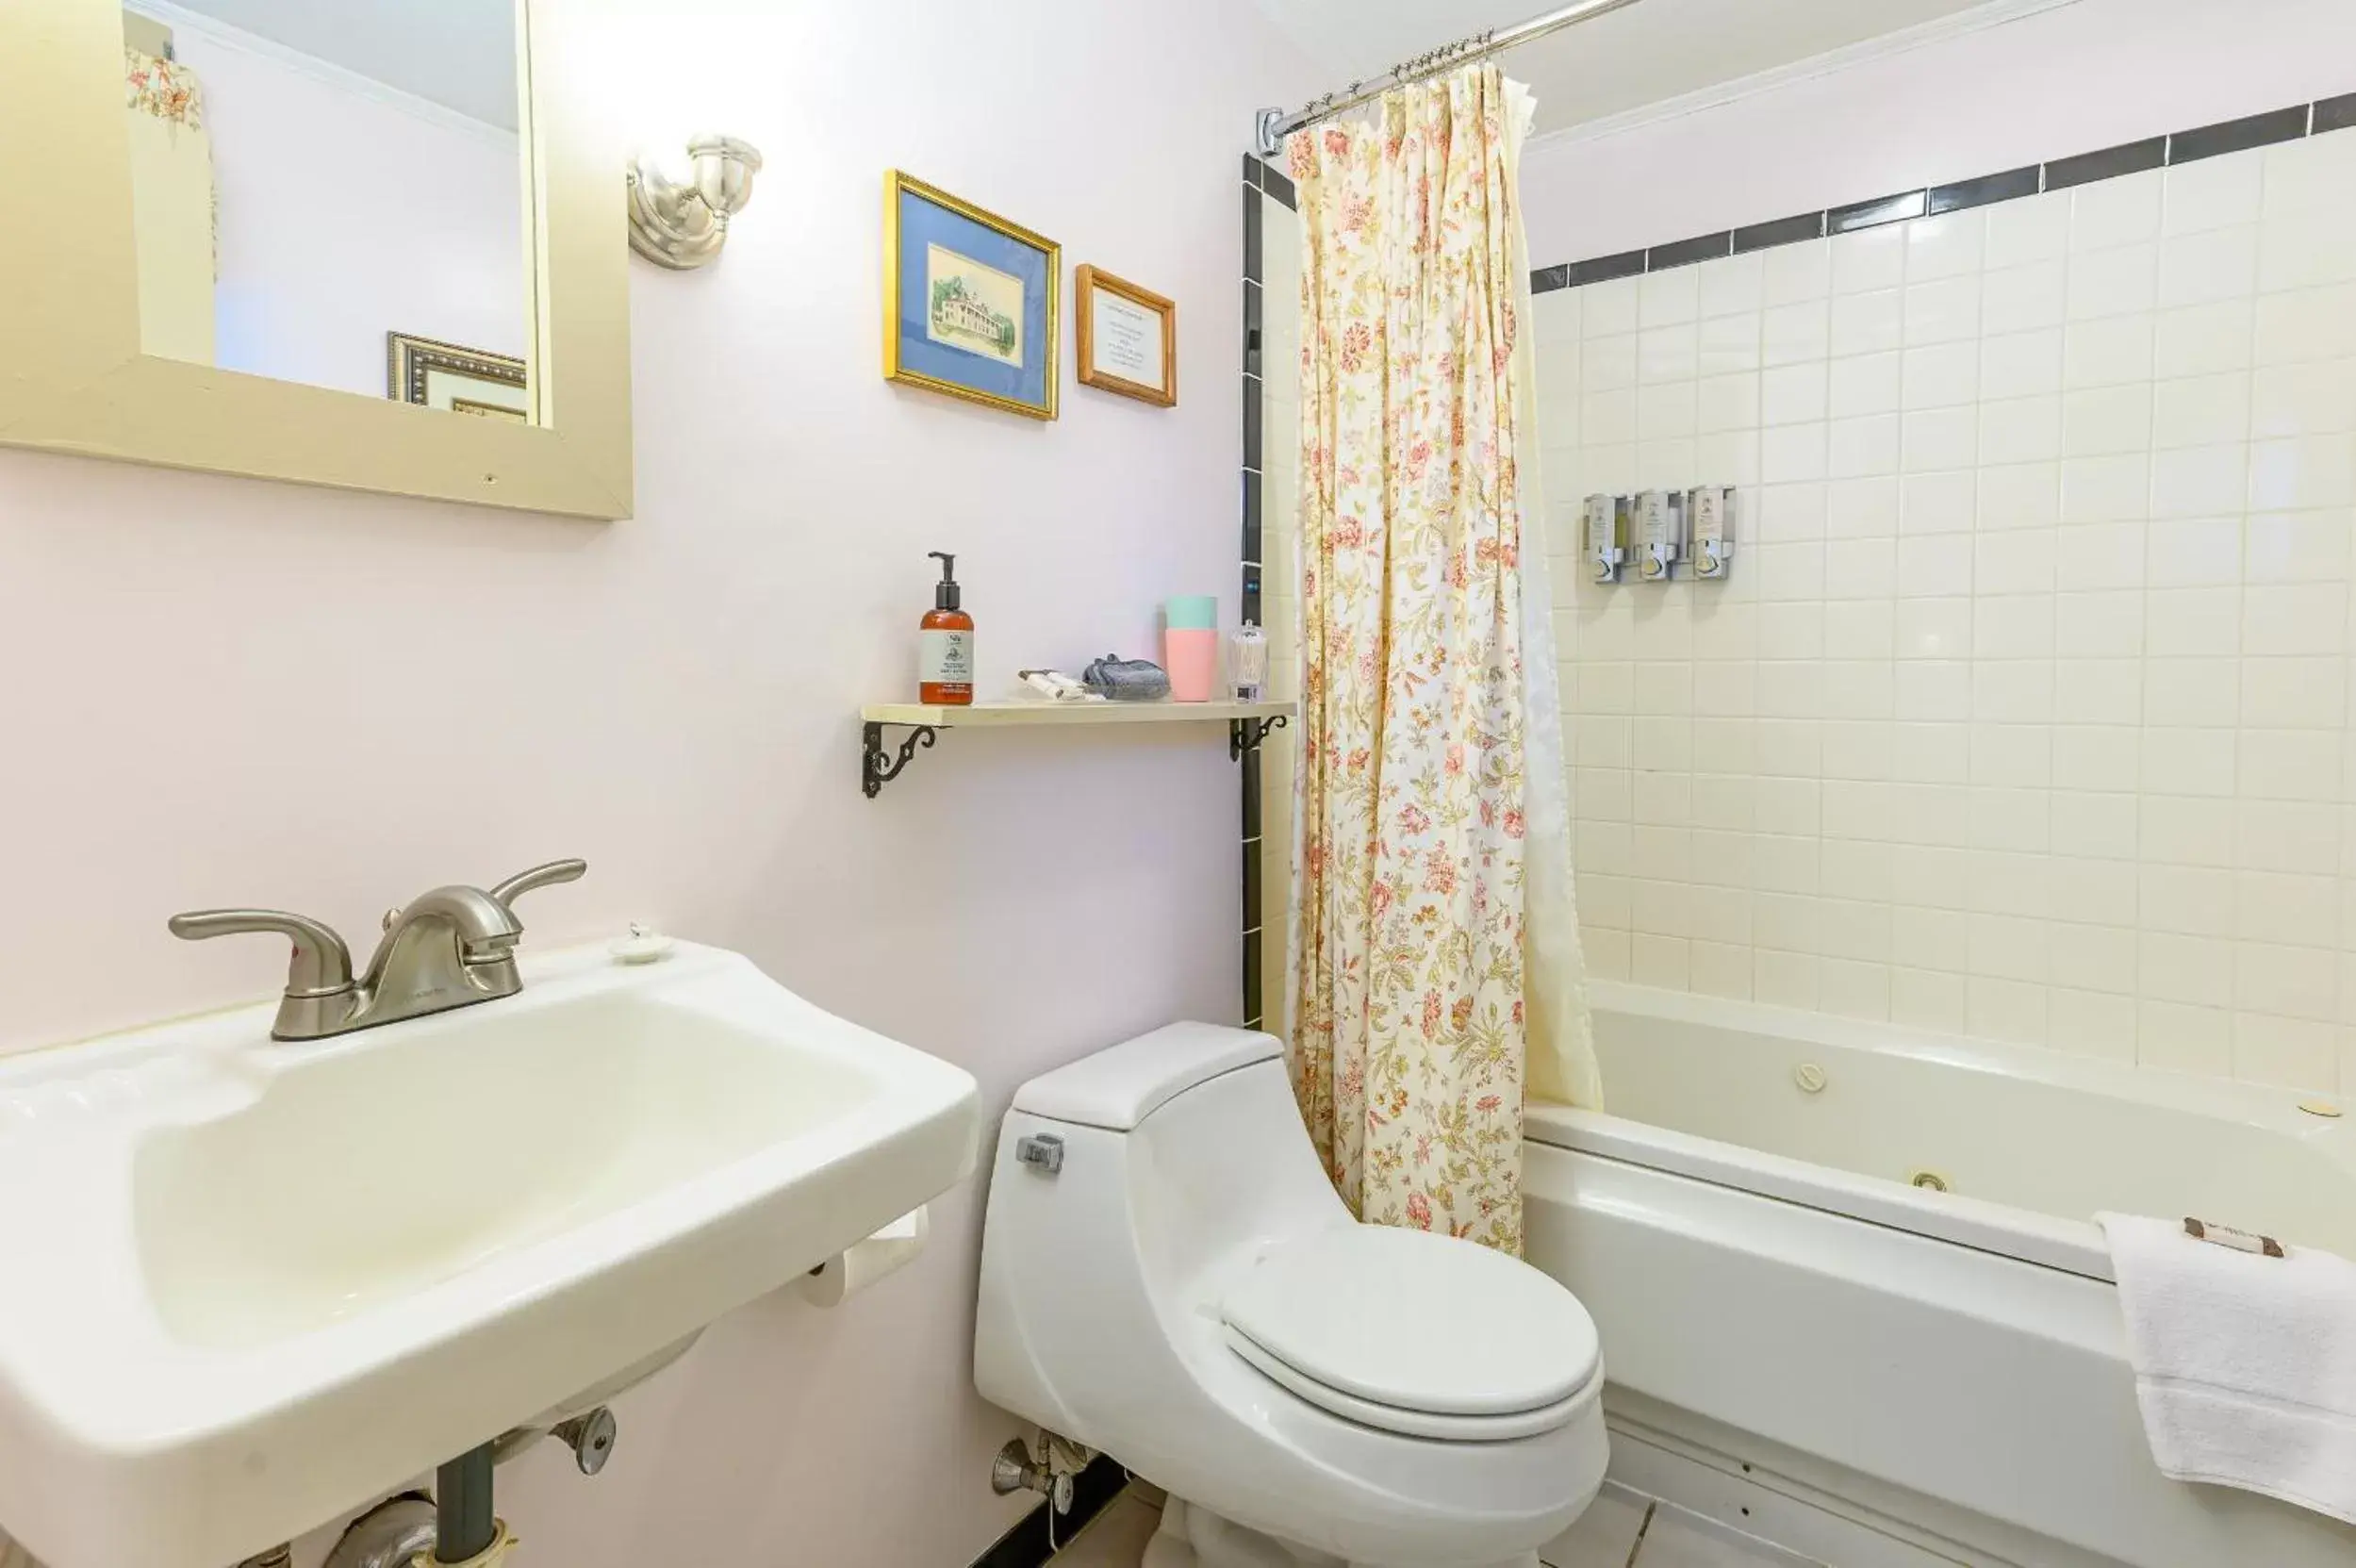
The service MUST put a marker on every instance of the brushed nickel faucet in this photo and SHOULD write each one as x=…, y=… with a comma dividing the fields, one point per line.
x=451, y=948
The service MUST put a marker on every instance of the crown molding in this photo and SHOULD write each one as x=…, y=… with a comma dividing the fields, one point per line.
x=1995, y=14
x=185, y=22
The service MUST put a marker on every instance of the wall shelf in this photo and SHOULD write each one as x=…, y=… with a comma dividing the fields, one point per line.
x=1247, y=724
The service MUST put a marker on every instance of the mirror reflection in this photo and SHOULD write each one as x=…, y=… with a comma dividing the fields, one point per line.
x=331, y=191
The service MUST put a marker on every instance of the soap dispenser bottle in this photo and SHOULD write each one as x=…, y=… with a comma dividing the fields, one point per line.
x=945, y=658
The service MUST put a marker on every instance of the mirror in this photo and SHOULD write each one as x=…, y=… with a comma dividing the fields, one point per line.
x=280, y=211
x=333, y=193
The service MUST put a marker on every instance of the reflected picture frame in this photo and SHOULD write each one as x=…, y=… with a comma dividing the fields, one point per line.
x=971, y=301
x=430, y=374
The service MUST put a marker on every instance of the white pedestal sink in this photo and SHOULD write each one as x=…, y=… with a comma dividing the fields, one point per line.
x=250, y=1285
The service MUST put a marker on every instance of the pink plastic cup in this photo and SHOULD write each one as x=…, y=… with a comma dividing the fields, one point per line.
x=1191, y=654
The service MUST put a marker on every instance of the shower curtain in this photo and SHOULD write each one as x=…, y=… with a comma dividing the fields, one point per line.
x=1435, y=949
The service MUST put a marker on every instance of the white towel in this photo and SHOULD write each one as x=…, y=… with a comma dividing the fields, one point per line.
x=2245, y=1365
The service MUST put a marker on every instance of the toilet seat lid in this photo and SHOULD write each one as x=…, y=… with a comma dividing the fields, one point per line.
x=1417, y=1322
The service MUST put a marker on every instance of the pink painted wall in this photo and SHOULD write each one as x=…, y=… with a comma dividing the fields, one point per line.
x=2074, y=78
x=221, y=691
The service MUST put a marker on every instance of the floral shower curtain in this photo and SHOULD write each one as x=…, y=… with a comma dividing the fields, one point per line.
x=1416, y=933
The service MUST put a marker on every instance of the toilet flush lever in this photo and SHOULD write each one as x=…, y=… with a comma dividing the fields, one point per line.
x=1044, y=1151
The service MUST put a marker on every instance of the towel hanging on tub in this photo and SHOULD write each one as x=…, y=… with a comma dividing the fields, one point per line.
x=2244, y=1358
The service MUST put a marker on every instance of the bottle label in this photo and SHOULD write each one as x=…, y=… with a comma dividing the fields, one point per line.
x=944, y=657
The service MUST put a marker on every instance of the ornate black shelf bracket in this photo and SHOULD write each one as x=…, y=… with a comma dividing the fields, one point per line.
x=1249, y=731
x=875, y=772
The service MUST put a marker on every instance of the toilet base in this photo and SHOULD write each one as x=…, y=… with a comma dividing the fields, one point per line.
x=1191, y=1536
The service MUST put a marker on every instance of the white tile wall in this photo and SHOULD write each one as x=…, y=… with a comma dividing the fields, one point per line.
x=2026, y=710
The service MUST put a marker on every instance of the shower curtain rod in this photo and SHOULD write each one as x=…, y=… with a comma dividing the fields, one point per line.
x=1272, y=125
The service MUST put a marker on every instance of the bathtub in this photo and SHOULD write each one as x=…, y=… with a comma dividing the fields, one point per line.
x=1781, y=1302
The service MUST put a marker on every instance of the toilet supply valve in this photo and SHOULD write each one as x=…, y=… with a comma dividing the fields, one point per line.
x=1014, y=1470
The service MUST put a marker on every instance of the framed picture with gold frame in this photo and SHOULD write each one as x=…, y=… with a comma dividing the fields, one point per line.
x=462, y=380
x=1127, y=338
x=969, y=300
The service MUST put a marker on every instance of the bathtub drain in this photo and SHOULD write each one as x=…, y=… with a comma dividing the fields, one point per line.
x=1930, y=1180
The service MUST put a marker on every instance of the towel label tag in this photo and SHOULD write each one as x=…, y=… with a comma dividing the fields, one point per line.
x=2225, y=1235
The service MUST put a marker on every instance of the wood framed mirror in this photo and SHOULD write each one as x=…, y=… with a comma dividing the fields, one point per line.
x=245, y=202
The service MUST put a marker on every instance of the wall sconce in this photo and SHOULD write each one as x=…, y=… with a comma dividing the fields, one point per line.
x=683, y=226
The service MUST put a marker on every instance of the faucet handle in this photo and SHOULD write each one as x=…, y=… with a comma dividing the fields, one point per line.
x=539, y=876
x=321, y=964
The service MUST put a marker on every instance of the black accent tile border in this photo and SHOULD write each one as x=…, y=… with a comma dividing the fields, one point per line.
x=1779, y=231
x=2239, y=136
x=1026, y=1545
x=1251, y=423
x=1262, y=182
x=2133, y=158
x=2011, y=185
x=1251, y=235
x=1251, y=519
x=1707, y=247
x=1603, y=268
x=1873, y=214
x=1252, y=322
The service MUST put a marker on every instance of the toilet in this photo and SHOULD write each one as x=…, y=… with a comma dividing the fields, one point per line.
x=1167, y=1276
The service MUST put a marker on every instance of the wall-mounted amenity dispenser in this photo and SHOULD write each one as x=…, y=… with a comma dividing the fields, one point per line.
x=1660, y=533
x=1711, y=515
x=1603, y=535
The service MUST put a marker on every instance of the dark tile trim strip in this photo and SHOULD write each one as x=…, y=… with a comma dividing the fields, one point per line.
x=1603, y=268
x=1709, y=247
x=1252, y=167
x=2008, y=185
x=2239, y=136
x=1251, y=235
x=2110, y=163
x=1026, y=1545
x=1779, y=231
x=1280, y=185
x=2230, y=136
x=1872, y=214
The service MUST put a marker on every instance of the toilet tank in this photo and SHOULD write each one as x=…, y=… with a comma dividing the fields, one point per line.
x=1182, y=1154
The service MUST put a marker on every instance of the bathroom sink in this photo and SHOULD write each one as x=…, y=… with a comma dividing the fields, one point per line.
x=250, y=1285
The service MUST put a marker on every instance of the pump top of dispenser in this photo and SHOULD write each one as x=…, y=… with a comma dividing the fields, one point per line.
x=944, y=592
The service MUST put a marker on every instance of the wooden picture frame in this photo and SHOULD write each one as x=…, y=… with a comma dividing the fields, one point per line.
x=1118, y=321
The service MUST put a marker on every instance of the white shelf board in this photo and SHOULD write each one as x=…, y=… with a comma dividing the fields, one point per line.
x=1019, y=711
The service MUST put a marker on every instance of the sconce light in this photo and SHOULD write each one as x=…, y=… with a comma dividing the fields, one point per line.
x=683, y=226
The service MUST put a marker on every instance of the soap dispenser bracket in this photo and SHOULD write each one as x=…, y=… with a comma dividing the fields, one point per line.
x=875, y=772
x=1243, y=733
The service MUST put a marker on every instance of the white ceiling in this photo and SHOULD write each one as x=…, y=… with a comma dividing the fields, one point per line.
x=1621, y=61
x=460, y=54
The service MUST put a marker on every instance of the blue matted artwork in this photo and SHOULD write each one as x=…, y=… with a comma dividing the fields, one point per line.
x=969, y=300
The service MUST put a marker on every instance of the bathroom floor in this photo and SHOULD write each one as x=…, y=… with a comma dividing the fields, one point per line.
x=1623, y=1530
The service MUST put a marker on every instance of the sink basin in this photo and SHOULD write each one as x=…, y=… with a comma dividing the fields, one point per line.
x=251, y=1284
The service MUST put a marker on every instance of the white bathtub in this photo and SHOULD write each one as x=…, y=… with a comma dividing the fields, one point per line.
x=1777, y=1302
